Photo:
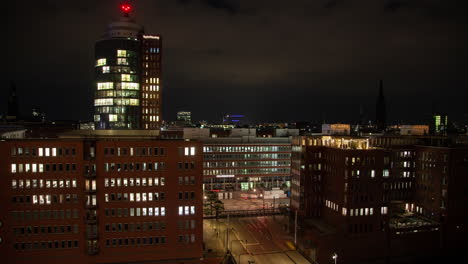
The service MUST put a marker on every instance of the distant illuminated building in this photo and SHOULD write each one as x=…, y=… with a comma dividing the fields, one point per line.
x=440, y=123
x=336, y=129
x=236, y=120
x=185, y=117
x=414, y=130
x=128, y=72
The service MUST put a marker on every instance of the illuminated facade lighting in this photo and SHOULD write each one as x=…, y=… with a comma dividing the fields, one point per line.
x=126, y=61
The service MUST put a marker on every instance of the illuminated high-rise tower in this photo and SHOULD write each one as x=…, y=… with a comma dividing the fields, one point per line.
x=128, y=76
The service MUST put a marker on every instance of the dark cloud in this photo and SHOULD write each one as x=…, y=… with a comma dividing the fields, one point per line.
x=269, y=59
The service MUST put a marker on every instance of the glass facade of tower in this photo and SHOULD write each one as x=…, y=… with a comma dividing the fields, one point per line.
x=117, y=90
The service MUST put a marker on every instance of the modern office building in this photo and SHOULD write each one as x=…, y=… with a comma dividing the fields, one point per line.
x=390, y=201
x=238, y=160
x=439, y=124
x=101, y=198
x=128, y=76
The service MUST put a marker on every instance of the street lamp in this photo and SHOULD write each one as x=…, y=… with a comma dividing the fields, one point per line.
x=335, y=257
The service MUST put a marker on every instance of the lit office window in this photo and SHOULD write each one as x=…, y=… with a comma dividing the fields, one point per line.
x=40, y=152
x=186, y=210
x=163, y=211
x=386, y=173
x=13, y=168
x=54, y=152
x=130, y=86
x=192, y=210
x=105, y=86
x=113, y=118
x=125, y=77
x=156, y=211
x=186, y=151
x=105, y=69
x=122, y=61
x=181, y=210
x=103, y=101
x=122, y=53
x=384, y=210
x=101, y=62
x=192, y=151
x=34, y=167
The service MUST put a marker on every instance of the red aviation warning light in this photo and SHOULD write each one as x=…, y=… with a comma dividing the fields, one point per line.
x=126, y=8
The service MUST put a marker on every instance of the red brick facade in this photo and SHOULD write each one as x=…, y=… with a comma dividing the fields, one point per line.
x=100, y=201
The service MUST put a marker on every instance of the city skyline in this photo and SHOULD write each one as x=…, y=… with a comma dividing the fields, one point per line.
x=307, y=79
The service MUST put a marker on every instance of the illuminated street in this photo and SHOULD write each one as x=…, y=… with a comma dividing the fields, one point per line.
x=259, y=239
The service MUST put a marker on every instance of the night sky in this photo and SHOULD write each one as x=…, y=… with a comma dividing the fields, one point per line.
x=272, y=60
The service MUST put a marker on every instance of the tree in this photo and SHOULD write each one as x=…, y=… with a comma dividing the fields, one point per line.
x=218, y=206
x=213, y=203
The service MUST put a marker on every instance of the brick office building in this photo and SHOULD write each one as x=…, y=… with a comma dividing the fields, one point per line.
x=101, y=200
x=366, y=203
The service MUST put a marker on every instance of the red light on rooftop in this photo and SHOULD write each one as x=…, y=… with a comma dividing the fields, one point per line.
x=126, y=8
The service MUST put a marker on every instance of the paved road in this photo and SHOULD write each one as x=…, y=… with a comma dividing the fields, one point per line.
x=259, y=239
x=253, y=204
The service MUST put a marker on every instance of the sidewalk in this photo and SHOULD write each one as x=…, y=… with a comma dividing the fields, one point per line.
x=213, y=246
